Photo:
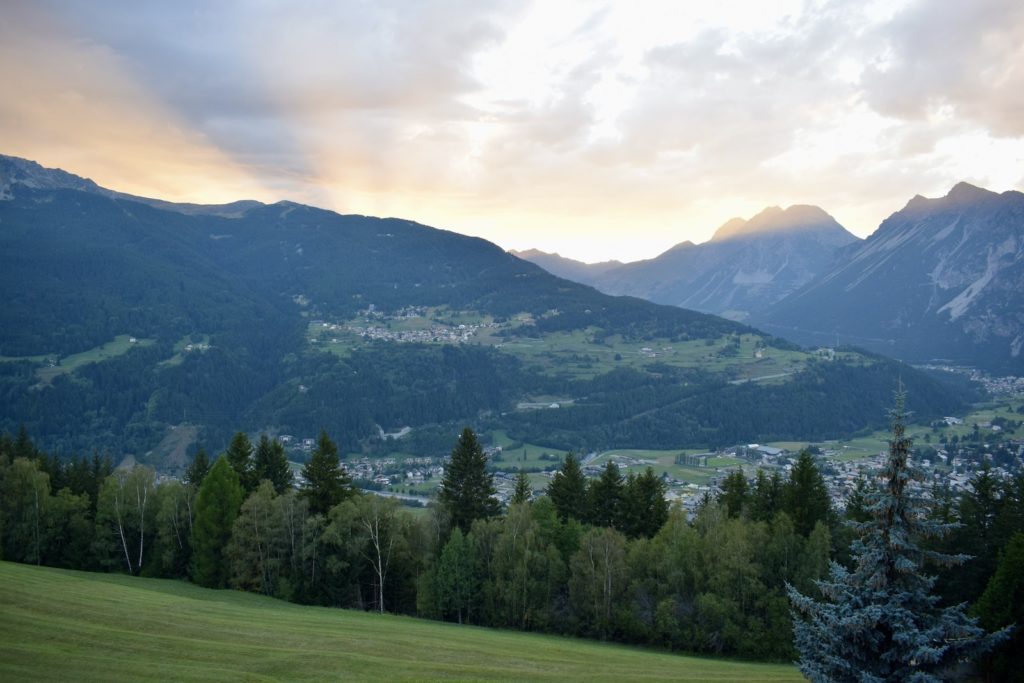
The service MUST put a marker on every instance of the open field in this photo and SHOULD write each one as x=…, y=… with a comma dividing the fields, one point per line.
x=118, y=346
x=579, y=354
x=61, y=625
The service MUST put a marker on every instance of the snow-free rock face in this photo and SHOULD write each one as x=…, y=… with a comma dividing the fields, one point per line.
x=746, y=267
x=942, y=279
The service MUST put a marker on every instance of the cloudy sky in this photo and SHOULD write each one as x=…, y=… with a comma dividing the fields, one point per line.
x=595, y=129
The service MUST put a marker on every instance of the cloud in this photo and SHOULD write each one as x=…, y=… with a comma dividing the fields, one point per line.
x=966, y=56
x=620, y=130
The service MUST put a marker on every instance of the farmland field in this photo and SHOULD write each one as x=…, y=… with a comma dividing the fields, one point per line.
x=60, y=625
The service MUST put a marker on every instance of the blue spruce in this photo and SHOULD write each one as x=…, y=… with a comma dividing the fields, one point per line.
x=879, y=621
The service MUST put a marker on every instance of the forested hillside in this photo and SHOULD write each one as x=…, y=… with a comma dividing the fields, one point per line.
x=125, y=319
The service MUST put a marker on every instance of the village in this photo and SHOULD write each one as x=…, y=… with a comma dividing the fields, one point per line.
x=414, y=479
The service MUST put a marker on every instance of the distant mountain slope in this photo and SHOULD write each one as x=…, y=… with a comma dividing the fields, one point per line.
x=570, y=269
x=249, y=318
x=746, y=267
x=942, y=279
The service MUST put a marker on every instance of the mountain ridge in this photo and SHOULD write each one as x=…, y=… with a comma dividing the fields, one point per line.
x=747, y=266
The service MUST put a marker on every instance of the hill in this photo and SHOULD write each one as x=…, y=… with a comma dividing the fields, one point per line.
x=939, y=281
x=63, y=625
x=125, y=321
x=746, y=267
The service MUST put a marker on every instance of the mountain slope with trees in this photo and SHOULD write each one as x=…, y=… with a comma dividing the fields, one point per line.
x=214, y=307
x=957, y=264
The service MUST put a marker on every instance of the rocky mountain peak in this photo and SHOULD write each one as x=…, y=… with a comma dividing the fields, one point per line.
x=773, y=219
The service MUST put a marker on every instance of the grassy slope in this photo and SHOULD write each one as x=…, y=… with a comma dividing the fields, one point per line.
x=62, y=625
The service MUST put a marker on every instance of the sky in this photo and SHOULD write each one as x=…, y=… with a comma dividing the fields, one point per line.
x=597, y=130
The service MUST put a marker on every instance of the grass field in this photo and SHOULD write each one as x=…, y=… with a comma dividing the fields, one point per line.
x=118, y=346
x=578, y=354
x=58, y=625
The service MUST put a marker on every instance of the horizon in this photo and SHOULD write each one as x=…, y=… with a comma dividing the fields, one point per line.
x=594, y=132
x=517, y=251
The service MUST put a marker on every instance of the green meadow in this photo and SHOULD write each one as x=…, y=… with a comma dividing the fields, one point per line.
x=59, y=625
x=118, y=346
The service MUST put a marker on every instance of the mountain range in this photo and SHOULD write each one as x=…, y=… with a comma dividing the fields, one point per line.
x=143, y=327
x=745, y=267
x=940, y=281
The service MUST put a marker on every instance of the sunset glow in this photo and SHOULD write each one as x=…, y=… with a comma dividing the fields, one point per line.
x=598, y=130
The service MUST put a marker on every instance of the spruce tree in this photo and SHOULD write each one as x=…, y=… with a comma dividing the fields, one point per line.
x=239, y=455
x=605, y=497
x=568, y=490
x=326, y=481
x=644, y=509
x=271, y=463
x=197, y=469
x=217, y=505
x=805, y=496
x=735, y=493
x=880, y=621
x=467, y=490
x=523, y=492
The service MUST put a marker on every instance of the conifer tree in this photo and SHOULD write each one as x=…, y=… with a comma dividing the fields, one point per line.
x=239, y=455
x=197, y=469
x=880, y=621
x=735, y=493
x=605, y=497
x=568, y=490
x=805, y=496
x=644, y=508
x=271, y=463
x=523, y=492
x=326, y=481
x=217, y=505
x=467, y=490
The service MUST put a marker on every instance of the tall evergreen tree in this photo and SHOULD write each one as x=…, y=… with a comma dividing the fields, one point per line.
x=326, y=481
x=197, y=469
x=880, y=622
x=271, y=463
x=467, y=490
x=239, y=455
x=217, y=505
x=605, y=497
x=523, y=492
x=735, y=493
x=1002, y=604
x=766, y=496
x=568, y=490
x=644, y=508
x=805, y=496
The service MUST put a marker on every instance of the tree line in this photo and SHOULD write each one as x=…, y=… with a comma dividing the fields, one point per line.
x=604, y=558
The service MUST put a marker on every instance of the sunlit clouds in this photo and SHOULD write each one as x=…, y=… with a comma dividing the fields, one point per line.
x=599, y=130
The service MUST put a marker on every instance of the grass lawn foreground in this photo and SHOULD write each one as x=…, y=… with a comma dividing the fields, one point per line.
x=58, y=625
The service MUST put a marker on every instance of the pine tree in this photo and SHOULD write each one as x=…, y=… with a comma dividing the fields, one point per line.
x=271, y=463
x=217, y=505
x=805, y=496
x=735, y=493
x=197, y=469
x=644, y=508
x=523, y=492
x=1002, y=604
x=467, y=490
x=605, y=497
x=568, y=490
x=239, y=455
x=766, y=496
x=880, y=622
x=326, y=481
